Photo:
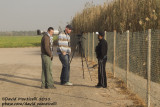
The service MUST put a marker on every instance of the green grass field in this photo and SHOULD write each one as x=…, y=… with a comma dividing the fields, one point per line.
x=20, y=41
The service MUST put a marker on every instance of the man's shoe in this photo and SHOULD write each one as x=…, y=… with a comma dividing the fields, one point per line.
x=62, y=83
x=98, y=86
x=43, y=87
x=104, y=86
x=68, y=84
x=53, y=87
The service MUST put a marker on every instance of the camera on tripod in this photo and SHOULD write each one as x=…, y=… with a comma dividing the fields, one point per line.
x=80, y=36
x=40, y=32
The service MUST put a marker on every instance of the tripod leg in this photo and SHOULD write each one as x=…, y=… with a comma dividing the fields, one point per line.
x=88, y=68
x=85, y=60
x=82, y=64
x=73, y=54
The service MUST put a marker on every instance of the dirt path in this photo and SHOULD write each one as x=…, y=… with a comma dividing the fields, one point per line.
x=20, y=73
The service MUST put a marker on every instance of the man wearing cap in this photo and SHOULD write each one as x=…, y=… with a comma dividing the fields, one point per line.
x=64, y=51
x=101, y=52
x=47, y=56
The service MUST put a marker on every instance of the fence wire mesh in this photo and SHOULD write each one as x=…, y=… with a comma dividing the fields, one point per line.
x=137, y=78
x=138, y=53
x=121, y=56
x=155, y=75
x=110, y=41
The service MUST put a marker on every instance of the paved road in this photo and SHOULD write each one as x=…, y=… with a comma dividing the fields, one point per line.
x=20, y=73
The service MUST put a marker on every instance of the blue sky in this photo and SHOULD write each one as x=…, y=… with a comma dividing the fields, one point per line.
x=38, y=14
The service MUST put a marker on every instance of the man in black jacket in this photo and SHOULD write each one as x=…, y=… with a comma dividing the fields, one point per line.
x=101, y=52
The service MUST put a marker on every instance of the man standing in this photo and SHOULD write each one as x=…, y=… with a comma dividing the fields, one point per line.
x=101, y=52
x=64, y=51
x=47, y=56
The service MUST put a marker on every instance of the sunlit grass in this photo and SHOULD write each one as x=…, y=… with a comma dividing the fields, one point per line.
x=20, y=41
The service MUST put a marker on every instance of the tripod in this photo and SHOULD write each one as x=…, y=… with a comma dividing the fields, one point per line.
x=79, y=44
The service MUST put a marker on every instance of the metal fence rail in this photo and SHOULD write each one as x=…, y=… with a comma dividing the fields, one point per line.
x=133, y=57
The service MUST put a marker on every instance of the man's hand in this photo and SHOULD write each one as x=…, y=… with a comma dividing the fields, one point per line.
x=64, y=53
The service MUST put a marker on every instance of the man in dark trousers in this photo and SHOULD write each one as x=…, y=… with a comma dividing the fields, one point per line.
x=101, y=52
x=47, y=56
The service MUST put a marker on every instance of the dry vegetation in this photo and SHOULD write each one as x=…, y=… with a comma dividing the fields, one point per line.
x=120, y=15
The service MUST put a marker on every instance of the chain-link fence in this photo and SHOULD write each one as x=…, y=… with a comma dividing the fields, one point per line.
x=133, y=57
x=155, y=68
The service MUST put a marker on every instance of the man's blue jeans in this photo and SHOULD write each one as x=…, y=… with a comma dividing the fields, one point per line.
x=65, y=69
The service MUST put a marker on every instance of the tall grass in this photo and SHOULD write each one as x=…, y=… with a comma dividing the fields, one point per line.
x=120, y=15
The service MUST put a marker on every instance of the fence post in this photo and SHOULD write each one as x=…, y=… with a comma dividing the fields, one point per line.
x=114, y=56
x=127, y=58
x=93, y=47
x=88, y=47
x=149, y=68
x=105, y=35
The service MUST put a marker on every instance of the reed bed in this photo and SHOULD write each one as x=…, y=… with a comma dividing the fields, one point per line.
x=120, y=15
